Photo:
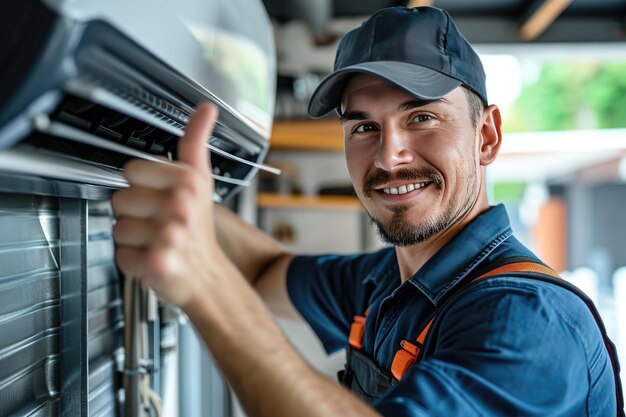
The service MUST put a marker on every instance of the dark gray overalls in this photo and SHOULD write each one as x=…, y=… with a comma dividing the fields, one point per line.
x=369, y=382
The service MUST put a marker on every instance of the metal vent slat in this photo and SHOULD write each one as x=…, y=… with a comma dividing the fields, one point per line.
x=102, y=389
x=38, y=287
x=29, y=305
x=25, y=327
x=104, y=311
x=50, y=409
x=36, y=351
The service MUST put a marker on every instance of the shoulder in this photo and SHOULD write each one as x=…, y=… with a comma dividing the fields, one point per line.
x=536, y=299
x=525, y=292
x=524, y=313
x=537, y=339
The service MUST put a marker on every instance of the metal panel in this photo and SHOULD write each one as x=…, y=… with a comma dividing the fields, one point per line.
x=29, y=305
x=74, y=364
x=202, y=390
x=104, y=312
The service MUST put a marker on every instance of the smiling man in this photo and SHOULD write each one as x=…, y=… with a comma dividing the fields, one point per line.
x=417, y=161
x=456, y=318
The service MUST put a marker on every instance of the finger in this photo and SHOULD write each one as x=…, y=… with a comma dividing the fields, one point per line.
x=174, y=205
x=192, y=148
x=142, y=203
x=153, y=175
x=140, y=233
x=138, y=263
x=154, y=268
x=133, y=232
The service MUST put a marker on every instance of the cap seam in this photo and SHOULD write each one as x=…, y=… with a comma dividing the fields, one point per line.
x=445, y=44
x=373, y=39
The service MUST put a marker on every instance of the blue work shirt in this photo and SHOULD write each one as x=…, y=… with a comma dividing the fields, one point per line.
x=510, y=346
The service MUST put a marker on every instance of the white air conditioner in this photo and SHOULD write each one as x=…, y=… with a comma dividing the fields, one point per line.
x=86, y=85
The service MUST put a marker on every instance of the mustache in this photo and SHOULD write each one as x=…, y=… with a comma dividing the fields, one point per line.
x=379, y=177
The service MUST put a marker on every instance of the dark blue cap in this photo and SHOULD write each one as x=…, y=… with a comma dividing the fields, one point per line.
x=420, y=50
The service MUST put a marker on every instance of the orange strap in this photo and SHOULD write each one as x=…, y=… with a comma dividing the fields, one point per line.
x=357, y=330
x=408, y=355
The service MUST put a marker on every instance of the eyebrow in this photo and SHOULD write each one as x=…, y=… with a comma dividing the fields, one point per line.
x=407, y=105
x=411, y=104
x=353, y=115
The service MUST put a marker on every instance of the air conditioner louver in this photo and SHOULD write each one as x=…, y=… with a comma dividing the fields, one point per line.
x=109, y=110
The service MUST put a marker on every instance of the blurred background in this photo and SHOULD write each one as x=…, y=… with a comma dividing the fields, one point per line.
x=557, y=71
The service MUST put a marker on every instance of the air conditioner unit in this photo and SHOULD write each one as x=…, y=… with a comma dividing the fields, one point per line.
x=86, y=85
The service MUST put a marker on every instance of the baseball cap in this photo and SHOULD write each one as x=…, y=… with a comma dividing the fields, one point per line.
x=418, y=49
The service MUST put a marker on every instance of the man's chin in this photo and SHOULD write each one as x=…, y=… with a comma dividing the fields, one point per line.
x=402, y=233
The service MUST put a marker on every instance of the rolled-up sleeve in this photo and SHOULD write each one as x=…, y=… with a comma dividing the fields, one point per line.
x=329, y=290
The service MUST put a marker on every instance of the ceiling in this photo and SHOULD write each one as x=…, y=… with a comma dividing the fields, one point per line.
x=307, y=33
x=483, y=21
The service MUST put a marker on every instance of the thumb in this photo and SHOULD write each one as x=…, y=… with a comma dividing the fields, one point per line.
x=192, y=148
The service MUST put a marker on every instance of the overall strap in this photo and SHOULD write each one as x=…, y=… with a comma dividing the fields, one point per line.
x=410, y=352
x=357, y=330
x=408, y=355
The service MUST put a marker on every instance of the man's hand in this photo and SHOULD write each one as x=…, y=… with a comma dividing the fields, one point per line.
x=166, y=239
x=165, y=230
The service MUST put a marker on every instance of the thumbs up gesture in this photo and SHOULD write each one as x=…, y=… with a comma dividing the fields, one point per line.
x=165, y=228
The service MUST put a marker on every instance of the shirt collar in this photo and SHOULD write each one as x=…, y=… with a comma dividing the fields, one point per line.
x=386, y=269
x=460, y=256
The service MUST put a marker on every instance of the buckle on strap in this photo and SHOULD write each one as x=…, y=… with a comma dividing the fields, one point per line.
x=404, y=359
x=357, y=330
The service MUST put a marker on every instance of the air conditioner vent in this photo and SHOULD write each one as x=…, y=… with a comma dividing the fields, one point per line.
x=92, y=133
x=114, y=126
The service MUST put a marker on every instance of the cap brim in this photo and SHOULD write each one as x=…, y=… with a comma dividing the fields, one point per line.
x=422, y=82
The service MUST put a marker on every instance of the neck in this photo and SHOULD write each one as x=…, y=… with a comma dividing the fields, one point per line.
x=412, y=258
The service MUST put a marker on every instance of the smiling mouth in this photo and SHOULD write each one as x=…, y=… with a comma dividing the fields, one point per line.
x=405, y=188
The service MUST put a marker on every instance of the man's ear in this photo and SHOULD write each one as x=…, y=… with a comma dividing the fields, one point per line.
x=490, y=135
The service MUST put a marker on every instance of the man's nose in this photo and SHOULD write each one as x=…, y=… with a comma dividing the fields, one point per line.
x=393, y=149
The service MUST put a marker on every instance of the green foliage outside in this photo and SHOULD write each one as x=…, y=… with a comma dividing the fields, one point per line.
x=571, y=95
x=506, y=192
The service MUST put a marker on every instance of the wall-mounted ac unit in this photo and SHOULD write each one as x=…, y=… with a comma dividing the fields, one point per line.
x=86, y=85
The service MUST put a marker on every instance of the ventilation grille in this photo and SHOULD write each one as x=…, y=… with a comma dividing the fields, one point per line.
x=29, y=305
x=105, y=319
x=96, y=134
x=30, y=308
x=107, y=124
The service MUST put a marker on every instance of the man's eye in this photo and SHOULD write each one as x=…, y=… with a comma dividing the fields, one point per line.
x=366, y=127
x=422, y=118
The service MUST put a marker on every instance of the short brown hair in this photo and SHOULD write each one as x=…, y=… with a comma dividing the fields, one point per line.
x=475, y=104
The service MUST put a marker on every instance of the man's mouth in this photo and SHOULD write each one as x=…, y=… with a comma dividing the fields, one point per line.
x=401, y=182
x=405, y=188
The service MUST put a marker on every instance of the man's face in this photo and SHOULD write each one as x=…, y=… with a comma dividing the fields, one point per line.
x=414, y=164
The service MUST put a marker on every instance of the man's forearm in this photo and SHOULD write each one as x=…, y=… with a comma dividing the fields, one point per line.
x=269, y=377
x=249, y=249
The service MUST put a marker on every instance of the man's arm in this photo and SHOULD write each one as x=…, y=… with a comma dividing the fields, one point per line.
x=267, y=374
x=167, y=239
x=261, y=259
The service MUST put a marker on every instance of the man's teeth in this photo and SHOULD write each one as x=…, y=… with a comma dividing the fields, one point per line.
x=404, y=189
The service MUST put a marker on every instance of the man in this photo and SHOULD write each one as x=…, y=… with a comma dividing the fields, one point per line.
x=418, y=133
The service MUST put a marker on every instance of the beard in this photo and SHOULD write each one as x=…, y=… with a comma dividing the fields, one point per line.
x=400, y=231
